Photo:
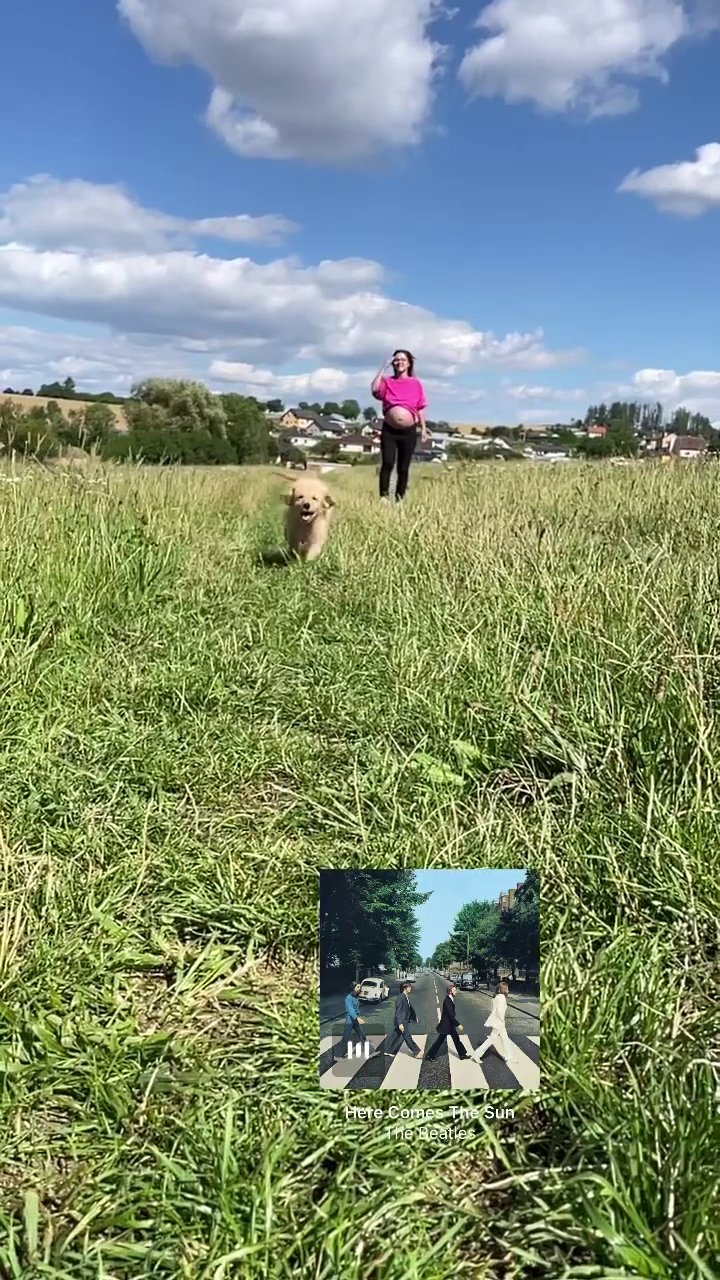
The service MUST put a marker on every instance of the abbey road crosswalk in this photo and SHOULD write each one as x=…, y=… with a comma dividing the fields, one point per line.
x=375, y=1070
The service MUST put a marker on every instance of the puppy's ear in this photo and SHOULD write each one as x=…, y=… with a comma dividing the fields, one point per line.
x=328, y=502
x=287, y=499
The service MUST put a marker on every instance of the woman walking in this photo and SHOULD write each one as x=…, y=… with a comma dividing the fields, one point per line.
x=353, y=1020
x=498, y=1039
x=403, y=406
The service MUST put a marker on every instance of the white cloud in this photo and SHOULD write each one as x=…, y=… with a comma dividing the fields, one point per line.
x=47, y=213
x=97, y=362
x=687, y=187
x=582, y=55
x=320, y=80
x=265, y=384
x=522, y=392
x=334, y=313
x=163, y=310
x=698, y=391
x=542, y=416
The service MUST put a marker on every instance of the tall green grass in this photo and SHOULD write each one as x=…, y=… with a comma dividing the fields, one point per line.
x=519, y=667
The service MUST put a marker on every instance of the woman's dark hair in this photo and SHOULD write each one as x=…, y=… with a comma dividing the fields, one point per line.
x=353, y=985
x=410, y=359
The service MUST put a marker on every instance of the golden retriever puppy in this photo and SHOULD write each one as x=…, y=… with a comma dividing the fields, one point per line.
x=307, y=522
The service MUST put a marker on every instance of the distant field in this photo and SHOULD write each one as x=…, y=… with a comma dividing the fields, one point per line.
x=66, y=406
x=521, y=667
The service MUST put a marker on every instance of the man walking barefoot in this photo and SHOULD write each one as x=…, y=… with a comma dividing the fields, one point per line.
x=498, y=1039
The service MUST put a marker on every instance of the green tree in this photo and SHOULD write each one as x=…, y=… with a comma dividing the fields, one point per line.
x=246, y=429
x=523, y=933
x=177, y=404
x=329, y=449
x=274, y=406
x=91, y=425
x=350, y=409
x=288, y=452
x=368, y=918
x=330, y=406
x=59, y=390
x=370, y=413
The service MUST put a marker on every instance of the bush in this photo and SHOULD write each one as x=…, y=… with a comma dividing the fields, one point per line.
x=163, y=447
x=30, y=434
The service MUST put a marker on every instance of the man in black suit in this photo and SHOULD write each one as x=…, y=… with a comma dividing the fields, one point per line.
x=404, y=1015
x=448, y=1026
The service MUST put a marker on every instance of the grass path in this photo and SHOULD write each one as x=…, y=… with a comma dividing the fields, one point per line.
x=521, y=667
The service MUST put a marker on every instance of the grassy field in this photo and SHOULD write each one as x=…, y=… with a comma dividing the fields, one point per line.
x=66, y=407
x=520, y=667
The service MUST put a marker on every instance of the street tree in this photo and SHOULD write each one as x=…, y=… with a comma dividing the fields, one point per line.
x=368, y=918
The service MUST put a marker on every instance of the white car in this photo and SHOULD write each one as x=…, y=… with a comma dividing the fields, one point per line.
x=374, y=989
x=411, y=978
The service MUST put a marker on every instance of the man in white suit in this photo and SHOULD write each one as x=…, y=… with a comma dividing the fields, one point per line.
x=498, y=1038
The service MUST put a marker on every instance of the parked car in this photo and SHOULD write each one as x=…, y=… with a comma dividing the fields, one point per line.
x=468, y=981
x=411, y=978
x=374, y=989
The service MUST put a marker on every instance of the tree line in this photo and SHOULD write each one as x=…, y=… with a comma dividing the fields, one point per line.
x=66, y=390
x=168, y=421
x=487, y=938
x=182, y=421
x=368, y=920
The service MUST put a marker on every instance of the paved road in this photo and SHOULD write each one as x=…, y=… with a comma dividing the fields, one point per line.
x=447, y=1071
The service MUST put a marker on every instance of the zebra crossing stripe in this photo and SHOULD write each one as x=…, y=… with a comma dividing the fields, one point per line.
x=525, y=1071
x=404, y=1071
x=464, y=1073
x=339, y=1074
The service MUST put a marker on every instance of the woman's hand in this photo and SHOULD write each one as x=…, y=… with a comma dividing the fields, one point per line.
x=460, y=1026
x=361, y=1019
x=375, y=384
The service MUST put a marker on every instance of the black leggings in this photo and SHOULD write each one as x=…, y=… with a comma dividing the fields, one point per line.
x=397, y=445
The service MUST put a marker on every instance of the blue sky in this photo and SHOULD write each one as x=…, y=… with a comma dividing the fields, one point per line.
x=450, y=891
x=391, y=175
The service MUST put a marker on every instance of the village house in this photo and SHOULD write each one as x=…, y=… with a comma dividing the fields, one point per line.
x=298, y=440
x=358, y=443
x=300, y=419
x=675, y=446
x=546, y=451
